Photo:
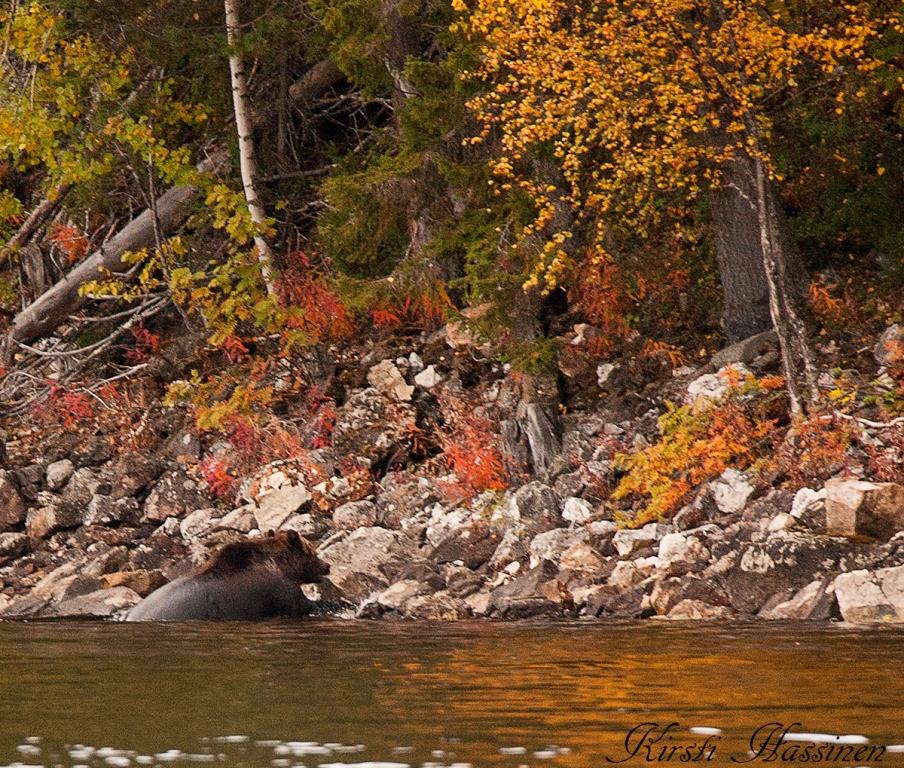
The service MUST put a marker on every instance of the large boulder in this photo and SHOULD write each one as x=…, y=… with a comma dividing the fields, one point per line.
x=12, y=508
x=536, y=593
x=133, y=473
x=871, y=597
x=364, y=561
x=860, y=508
x=471, y=545
x=784, y=563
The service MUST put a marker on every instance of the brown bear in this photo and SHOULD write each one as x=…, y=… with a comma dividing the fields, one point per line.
x=246, y=581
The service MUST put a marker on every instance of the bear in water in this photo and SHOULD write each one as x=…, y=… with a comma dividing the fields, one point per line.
x=245, y=581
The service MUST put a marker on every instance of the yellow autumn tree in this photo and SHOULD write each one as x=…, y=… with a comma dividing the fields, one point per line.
x=652, y=103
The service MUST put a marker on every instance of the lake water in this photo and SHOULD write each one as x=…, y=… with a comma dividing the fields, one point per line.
x=493, y=695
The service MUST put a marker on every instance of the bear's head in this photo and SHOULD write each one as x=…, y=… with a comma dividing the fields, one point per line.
x=286, y=551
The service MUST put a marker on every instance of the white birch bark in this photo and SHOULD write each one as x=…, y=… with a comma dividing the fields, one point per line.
x=243, y=125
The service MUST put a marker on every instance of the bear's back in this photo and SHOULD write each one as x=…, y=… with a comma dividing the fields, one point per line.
x=250, y=595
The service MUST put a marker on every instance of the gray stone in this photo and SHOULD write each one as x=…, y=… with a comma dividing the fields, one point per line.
x=746, y=351
x=360, y=561
x=551, y=544
x=713, y=386
x=628, y=541
x=814, y=601
x=860, y=508
x=306, y=525
x=471, y=545
x=80, y=489
x=275, y=507
x=175, y=494
x=784, y=561
x=538, y=502
x=199, y=523
x=58, y=474
x=43, y=522
x=731, y=491
x=371, y=427
x=577, y=510
x=241, y=519
x=355, y=514
x=388, y=380
x=428, y=378
x=536, y=593
x=694, y=610
x=103, y=510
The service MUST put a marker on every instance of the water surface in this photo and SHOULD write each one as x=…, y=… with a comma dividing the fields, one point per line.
x=313, y=693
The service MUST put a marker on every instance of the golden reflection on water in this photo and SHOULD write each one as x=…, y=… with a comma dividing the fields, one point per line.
x=451, y=692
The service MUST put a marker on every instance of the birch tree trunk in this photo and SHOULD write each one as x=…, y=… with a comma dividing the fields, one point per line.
x=244, y=127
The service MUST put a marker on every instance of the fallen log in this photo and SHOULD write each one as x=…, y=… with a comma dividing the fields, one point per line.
x=54, y=306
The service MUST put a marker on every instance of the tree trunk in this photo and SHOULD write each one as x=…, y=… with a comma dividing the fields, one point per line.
x=54, y=306
x=247, y=162
x=739, y=251
x=46, y=209
x=315, y=82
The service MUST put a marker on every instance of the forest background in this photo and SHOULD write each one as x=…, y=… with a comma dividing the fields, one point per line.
x=284, y=179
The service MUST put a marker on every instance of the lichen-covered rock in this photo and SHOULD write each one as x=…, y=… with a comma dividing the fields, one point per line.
x=536, y=593
x=551, y=544
x=142, y=582
x=815, y=601
x=471, y=545
x=370, y=426
x=43, y=522
x=277, y=506
x=628, y=541
x=355, y=514
x=359, y=563
x=100, y=603
x=12, y=545
x=404, y=500
x=174, y=495
x=104, y=510
x=695, y=610
x=889, y=348
x=80, y=489
x=133, y=473
x=785, y=561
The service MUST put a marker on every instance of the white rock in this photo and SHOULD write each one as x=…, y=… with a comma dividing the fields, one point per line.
x=415, y=362
x=805, y=499
x=731, y=491
x=672, y=546
x=627, y=541
x=576, y=510
x=603, y=372
x=276, y=507
x=388, y=380
x=199, y=522
x=602, y=528
x=428, y=378
x=781, y=522
x=58, y=474
x=712, y=386
x=551, y=544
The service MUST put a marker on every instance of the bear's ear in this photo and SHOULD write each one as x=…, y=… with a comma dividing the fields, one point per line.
x=293, y=537
x=270, y=534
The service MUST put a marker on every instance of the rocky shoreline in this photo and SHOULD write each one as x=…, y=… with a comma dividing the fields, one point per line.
x=87, y=533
